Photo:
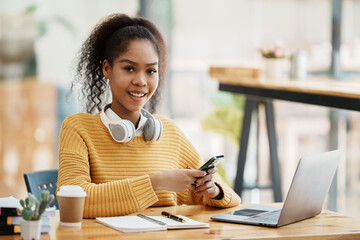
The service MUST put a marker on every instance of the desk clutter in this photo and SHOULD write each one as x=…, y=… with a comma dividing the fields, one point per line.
x=327, y=225
x=10, y=218
x=149, y=223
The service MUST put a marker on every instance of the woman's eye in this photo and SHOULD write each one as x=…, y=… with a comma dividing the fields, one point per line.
x=152, y=71
x=129, y=69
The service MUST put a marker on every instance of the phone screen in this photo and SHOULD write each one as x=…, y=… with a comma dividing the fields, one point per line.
x=212, y=162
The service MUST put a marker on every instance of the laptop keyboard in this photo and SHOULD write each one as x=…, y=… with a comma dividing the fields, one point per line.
x=267, y=218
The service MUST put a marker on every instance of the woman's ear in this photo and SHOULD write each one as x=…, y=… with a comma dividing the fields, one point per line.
x=106, y=68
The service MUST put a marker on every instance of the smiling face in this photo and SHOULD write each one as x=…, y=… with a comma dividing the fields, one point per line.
x=133, y=79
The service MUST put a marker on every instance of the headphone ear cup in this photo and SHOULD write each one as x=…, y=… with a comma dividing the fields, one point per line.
x=123, y=131
x=149, y=129
x=120, y=130
x=152, y=129
x=158, y=129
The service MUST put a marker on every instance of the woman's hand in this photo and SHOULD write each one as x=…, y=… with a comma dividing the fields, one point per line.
x=176, y=180
x=206, y=186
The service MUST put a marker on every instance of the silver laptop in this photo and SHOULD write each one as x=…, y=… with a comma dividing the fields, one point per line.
x=305, y=198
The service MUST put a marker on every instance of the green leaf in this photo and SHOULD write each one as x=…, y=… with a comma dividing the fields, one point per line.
x=30, y=212
x=44, y=195
x=225, y=120
x=239, y=100
x=228, y=99
x=19, y=211
x=32, y=200
x=36, y=215
x=27, y=213
x=31, y=9
x=22, y=203
x=42, y=28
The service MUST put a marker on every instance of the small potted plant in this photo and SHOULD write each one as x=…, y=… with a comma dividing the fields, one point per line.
x=31, y=212
x=274, y=61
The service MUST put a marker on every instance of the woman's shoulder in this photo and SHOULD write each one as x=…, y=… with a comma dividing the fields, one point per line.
x=81, y=116
x=170, y=126
x=80, y=119
x=166, y=121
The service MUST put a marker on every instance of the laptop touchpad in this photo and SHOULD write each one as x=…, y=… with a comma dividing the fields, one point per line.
x=248, y=212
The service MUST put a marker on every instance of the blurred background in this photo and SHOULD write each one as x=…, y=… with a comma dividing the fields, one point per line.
x=40, y=39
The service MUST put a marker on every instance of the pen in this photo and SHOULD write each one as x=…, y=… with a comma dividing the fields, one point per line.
x=173, y=217
x=151, y=219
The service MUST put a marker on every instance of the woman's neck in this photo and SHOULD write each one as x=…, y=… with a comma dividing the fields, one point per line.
x=133, y=117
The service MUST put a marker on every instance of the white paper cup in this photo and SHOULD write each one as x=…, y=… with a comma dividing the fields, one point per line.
x=71, y=202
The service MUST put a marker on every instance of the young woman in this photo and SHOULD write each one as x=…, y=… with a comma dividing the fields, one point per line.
x=125, y=158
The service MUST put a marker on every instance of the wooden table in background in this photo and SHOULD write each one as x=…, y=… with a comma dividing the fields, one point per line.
x=317, y=90
x=327, y=225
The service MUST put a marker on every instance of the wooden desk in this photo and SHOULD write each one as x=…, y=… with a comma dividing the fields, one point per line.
x=318, y=90
x=328, y=225
x=322, y=91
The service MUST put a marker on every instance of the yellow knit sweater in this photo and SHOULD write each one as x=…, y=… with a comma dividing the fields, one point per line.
x=115, y=175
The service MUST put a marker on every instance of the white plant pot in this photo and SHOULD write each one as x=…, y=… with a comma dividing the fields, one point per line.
x=30, y=229
x=274, y=69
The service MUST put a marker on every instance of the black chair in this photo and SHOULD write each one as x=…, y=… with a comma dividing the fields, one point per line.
x=42, y=180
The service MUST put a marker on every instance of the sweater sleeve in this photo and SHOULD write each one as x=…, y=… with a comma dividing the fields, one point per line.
x=114, y=198
x=230, y=198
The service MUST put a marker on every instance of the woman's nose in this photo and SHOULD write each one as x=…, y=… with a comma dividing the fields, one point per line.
x=139, y=79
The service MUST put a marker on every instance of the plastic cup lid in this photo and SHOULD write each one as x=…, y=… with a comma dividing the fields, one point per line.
x=71, y=191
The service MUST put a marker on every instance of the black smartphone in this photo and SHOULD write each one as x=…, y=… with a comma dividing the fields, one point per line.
x=212, y=162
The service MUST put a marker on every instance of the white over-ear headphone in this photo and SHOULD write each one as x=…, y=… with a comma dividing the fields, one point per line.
x=123, y=130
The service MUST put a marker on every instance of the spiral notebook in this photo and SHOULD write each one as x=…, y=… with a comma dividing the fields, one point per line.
x=138, y=224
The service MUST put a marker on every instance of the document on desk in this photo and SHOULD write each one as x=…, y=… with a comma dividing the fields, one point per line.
x=9, y=202
x=138, y=224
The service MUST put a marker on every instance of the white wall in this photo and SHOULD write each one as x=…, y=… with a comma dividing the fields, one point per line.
x=204, y=31
x=56, y=50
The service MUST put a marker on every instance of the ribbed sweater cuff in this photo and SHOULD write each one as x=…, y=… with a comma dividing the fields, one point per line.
x=224, y=202
x=143, y=191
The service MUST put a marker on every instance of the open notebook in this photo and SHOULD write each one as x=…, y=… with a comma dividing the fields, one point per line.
x=138, y=224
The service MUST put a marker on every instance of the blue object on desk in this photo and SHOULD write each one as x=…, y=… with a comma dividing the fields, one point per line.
x=42, y=180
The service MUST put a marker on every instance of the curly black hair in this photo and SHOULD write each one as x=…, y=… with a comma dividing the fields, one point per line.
x=110, y=38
